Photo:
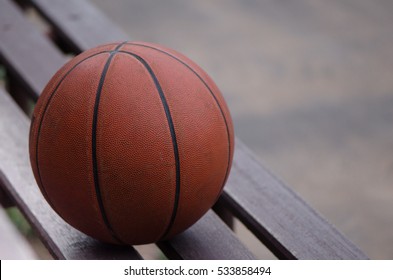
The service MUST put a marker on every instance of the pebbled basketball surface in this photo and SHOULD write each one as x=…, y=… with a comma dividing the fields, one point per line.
x=131, y=142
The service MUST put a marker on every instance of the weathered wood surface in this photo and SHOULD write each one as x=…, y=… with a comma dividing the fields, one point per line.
x=29, y=56
x=80, y=24
x=207, y=239
x=278, y=216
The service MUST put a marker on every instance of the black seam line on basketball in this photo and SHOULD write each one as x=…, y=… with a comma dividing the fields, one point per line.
x=42, y=119
x=94, y=146
x=211, y=92
x=173, y=136
x=119, y=46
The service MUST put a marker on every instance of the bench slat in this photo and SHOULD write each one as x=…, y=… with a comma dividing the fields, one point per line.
x=18, y=44
x=80, y=24
x=63, y=241
x=278, y=216
x=207, y=239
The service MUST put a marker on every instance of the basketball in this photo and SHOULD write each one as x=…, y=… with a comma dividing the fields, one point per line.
x=131, y=143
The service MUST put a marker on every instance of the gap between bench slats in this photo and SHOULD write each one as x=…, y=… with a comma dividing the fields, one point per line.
x=202, y=241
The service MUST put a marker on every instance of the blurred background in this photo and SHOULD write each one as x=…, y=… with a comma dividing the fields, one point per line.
x=310, y=88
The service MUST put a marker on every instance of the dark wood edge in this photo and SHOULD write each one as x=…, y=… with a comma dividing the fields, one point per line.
x=5, y=200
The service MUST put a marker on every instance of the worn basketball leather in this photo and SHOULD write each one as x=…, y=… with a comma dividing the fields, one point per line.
x=131, y=142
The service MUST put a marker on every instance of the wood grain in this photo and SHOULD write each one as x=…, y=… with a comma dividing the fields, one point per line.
x=278, y=216
x=27, y=54
x=79, y=23
x=208, y=239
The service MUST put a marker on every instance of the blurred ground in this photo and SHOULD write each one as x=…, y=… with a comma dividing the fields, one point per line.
x=310, y=88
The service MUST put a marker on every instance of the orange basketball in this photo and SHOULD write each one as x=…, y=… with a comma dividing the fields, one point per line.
x=131, y=142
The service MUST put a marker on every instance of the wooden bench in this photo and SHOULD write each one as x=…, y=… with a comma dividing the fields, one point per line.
x=276, y=215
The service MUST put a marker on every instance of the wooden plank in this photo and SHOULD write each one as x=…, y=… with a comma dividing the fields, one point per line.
x=13, y=246
x=25, y=51
x=80, y=24
x=62, y=240
x=208, y=239
x=279, y=217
